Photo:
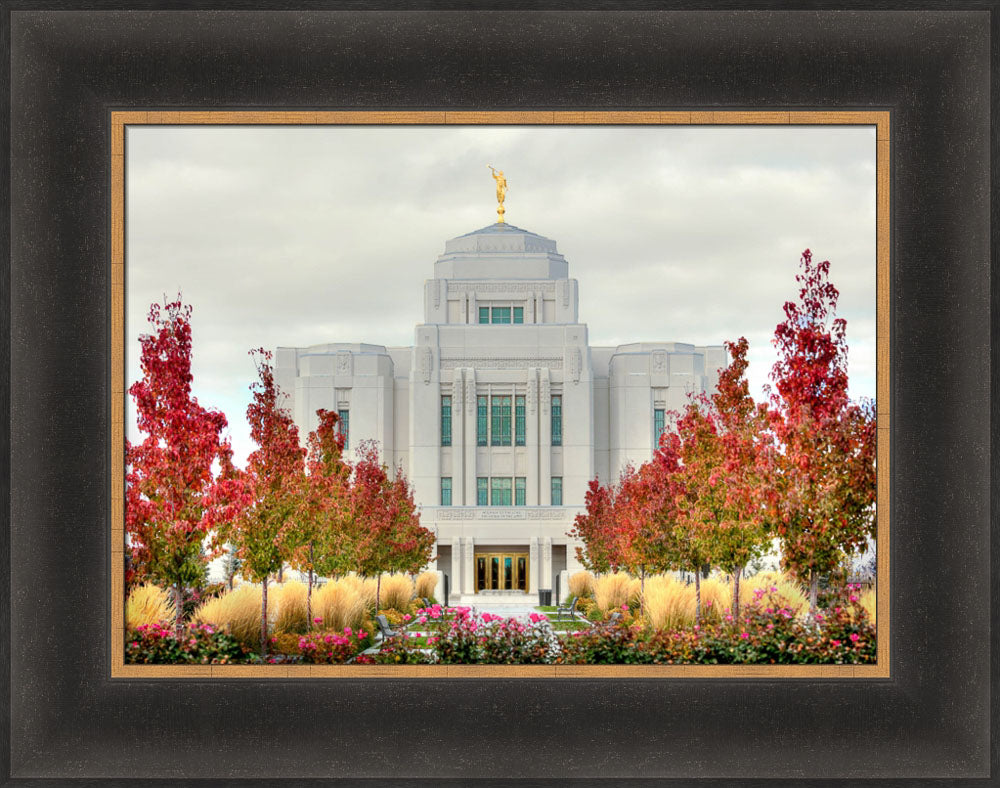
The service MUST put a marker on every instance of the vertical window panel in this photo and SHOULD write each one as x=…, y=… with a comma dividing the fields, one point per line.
x=557, y=491
x=482, y=491
x=500, y=491
x=501, y=314
x=518, y=314
x=519, y=420
x=500, y=421
x=481, y=420
x=345, y=425
x=446, y=420
x=446, y=491
x=484, y=314
x=557, y=426
x=520, y=490
x=659, y=424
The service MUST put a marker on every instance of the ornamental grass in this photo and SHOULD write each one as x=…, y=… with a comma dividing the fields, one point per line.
x=236, y=612
x=396, y=592
x=716, y=598
x=614, y=590
x=669, y=602
x=289, y=600
x=341, y=603
x=581, y=584
x=426, y=583
x=362, y=586
x=867, y=601
x=147, y=605
x=787, y=587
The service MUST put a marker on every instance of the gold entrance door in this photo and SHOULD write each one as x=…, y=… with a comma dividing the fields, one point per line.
x=501, y=572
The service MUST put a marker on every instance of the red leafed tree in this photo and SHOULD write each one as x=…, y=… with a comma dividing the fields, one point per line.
x=597, y=528
x=169, y=474
x=390, y=536
x=738, y=493
x=261, y=528
x=824, y=484
x=325, y=541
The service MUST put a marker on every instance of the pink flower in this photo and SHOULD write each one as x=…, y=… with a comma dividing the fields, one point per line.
x=729, y=618
x=135, y=644
x=362, y=635
x=328, y=639
x=834, y=642
x=744, y=635
x=770, y=625
x=854, y=598
x=855, y=637
x=317, y=620
x=625, y=607
x=406, y=616
x=347, y=631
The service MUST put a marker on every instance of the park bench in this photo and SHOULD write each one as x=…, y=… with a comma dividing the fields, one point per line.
x=383, y=627
x=570, y=608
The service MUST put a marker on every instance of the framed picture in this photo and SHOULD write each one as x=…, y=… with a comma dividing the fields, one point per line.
x=78, y=78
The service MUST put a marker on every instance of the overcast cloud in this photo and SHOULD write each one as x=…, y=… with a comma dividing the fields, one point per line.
x=297, y=236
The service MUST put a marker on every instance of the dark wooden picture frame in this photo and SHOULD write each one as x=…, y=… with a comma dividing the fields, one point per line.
x=68, y=719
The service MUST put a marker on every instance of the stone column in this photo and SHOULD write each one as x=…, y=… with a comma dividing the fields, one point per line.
x=546, y=547
x=458, y=440
x=468, y=565
x=531, y=439
x=545, y=440
x=470, y=437
x=534, y=568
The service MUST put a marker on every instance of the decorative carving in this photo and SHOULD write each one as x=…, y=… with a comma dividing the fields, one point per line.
x=437, y=293
x=658, y=361
x=501, y=362
x=470, y=394
x=575, y=363
x=564, y=291
x=546, y=396
x=344, y=362
x=532, y=393
x=506, y=513
x=499, y=287
x=425, y=362
x=456, y=397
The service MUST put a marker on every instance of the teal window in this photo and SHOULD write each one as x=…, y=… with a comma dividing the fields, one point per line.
x=557, y=490
x=518, y=314
x=482, y=490
x=500, y=491
x=446, y=491
x=484, y=314
x=446, y=420
x=345, y=424
x=501, y=421
x=519, y=420
x=659, y=424
x=501, y=314
x=520, y=490
x=557, y=432
x=481, y=424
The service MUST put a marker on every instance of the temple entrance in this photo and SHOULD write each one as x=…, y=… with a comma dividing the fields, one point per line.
x=501, y=572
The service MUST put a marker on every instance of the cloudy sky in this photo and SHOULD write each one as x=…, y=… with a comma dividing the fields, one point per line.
x=302, y=235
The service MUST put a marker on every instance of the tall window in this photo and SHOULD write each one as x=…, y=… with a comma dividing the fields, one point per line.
x=557, y=490
x=345, y=425
x=501, y=421
x=518, y=314
x=659, y=424
x=557, y=431
x=484, y=314
x=482, y=491
x=519, y=420
x=520, y=490
x=446, y=420
x=481, y=424
x=446, y=491
x=500, y=491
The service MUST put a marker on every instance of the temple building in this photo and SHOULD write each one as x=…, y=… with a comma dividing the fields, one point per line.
x=501, y=412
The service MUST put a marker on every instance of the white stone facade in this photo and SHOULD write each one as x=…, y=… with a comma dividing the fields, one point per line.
x=532, y=373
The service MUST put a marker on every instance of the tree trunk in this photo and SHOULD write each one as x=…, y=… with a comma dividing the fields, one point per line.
x=813, y=593
x=697, y=596
x=736, y=592
x=178, y=610
x=642, y=592
x=309, y=591
x=378, y=590
x=263, y=619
